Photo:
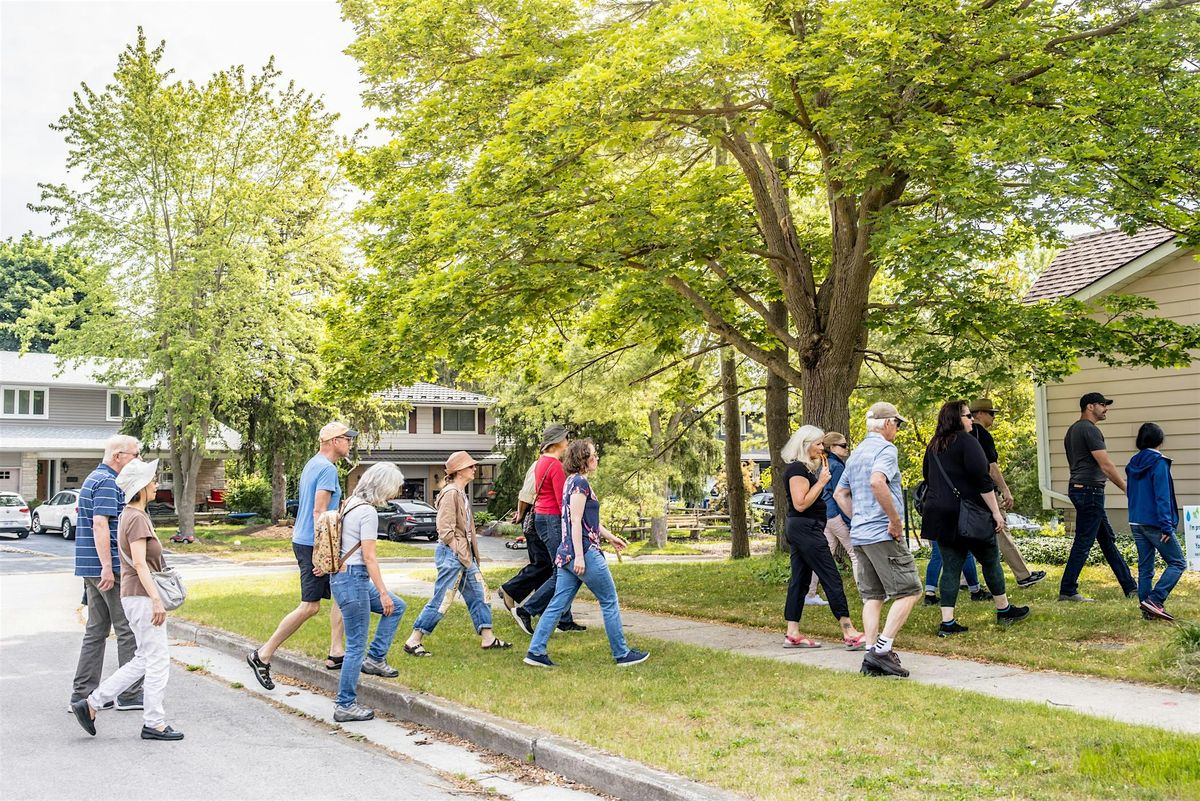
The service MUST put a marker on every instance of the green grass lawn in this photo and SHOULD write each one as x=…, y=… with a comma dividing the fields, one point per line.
x=767, y=729
x=1107, y=638
x=672, y=548
x=236, y=542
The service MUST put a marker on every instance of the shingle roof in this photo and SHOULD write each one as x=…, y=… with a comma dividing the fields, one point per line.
x=436, y=395
x=1091, y=257
x=44, y=368
x=19, y=436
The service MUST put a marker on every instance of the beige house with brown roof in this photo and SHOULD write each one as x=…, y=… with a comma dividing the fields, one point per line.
x=1153, y=264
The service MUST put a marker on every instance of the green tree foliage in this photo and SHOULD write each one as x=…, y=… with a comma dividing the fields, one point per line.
x=35, y=273
x=210, y=210
x=756, y=166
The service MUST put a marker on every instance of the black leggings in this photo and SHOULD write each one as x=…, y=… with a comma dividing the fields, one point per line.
x=953, y=556
x=810, y=554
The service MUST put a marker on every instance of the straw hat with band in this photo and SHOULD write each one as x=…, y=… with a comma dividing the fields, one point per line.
x=984, y=405
x=459, y=460
x=135, y=476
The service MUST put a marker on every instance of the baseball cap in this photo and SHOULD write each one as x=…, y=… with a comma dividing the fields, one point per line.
x=555, y=432
x=983, y=405
x=1094, y=397
x=883, y=411
x=337, y=429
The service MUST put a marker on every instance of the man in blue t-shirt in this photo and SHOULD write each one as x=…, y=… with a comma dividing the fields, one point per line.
x=319, y=491
x=869, y=494
x=100, y=504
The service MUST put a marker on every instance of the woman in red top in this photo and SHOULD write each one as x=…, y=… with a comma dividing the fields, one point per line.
x=549, y=478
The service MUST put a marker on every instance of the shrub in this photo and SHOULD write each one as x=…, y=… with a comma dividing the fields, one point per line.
x=249, y=493
x=1054, y=550
x=483, y=518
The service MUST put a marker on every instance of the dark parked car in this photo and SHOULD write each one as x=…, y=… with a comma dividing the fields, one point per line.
x=404, y=519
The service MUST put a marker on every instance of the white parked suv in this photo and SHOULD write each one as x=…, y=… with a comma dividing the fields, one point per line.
x=60, y=513
x=14, y=515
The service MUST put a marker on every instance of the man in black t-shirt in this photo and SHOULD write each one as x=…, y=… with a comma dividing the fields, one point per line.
x=985, y=415
x=1090, y=465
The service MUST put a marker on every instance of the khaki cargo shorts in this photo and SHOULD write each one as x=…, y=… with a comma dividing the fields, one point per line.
x=885, y=570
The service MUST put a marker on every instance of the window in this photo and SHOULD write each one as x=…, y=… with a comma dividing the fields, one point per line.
x=118, y=406
x=25, y=402
x=458, y=420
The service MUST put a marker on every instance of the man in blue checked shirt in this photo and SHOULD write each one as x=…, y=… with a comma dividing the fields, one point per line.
x=100, y=504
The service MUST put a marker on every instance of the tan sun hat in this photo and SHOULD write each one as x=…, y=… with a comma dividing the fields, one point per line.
x=136, y=475
x=459, y=460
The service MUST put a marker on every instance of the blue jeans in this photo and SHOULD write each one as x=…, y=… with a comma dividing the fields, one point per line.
x=1149, y=540
x=357, y=598
x=934, y=570
x=1091, y=524
x=599, y=580
x=549, y=530
x=452, y=578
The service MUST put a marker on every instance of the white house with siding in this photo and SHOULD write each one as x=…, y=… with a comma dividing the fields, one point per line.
x=55, y=418
x=1154, y=264
x=442, y=420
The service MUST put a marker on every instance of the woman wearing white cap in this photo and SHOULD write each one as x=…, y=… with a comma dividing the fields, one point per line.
x=457, y=561
x=141, y=554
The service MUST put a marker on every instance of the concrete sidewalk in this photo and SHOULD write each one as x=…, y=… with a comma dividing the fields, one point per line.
x=1164, y=708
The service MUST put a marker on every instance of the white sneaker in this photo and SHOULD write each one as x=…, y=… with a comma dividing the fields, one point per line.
x=815, y=600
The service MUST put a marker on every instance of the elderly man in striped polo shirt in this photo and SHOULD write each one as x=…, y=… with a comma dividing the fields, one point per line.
x=100, y=504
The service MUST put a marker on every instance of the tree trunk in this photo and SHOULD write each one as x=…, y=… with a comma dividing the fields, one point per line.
x=278, y=486
x=826, y=396
x=778, y=431
x=658, y=523
x=185, y=488
x=735, y=499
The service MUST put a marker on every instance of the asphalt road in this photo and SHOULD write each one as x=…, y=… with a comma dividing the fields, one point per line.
x=236, y=746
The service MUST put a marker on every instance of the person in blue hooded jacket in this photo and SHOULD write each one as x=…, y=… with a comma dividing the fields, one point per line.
x=1153, y=517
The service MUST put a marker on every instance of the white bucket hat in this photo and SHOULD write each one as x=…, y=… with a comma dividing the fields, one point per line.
x=136, y=475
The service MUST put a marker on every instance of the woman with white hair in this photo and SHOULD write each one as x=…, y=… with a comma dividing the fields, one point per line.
x=358, y=590
x=141, y=555
x=805, y=478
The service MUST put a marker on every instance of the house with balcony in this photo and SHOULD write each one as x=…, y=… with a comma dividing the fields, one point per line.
x=441, y=420
x=55, y=418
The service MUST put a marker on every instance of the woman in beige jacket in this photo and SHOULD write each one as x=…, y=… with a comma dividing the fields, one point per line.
x=457, y=561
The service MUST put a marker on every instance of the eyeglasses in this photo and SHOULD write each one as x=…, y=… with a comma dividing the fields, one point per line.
x=899, y=423
x=840, y=445
x=134, y=454
x=969, y=416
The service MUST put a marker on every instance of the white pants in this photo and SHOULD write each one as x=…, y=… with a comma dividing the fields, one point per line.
x=150, y=661
x=836, y=531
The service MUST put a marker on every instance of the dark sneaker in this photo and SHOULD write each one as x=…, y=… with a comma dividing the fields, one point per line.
x=1153, y=611
x=1012, y=614
x=80, y=708
x=1132, y=593
x=571, y=626
x=131, y=703
x=888, y=664
x=262, y=670
x=931, y=599
x=953, y=627
x=981, y=595
x=353, y=712
x=633, y=657
x=167, y=733
x=524, y=620
x=868, y=670
x=1076, y=598
x=376, y=667
x=538, y=660
x=1031, y=579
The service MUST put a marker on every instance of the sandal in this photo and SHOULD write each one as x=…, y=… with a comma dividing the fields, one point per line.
x=858, y=643
x=496, y=643
x=416, y=650
x=336, y=660
x=799, y=642
x=262, y=670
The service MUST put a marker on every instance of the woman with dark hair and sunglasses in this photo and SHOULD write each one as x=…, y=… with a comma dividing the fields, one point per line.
x=962, y=460
x=1153, y=518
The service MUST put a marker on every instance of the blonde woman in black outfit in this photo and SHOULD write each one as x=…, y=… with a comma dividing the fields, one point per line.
x=805, y=479
x=962, y=458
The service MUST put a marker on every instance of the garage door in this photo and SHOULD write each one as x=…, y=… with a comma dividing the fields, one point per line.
x=10, y=479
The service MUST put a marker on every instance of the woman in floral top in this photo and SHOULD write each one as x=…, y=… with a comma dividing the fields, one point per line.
x=579, y=561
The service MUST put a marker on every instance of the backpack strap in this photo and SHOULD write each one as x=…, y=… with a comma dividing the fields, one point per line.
x=345, y=509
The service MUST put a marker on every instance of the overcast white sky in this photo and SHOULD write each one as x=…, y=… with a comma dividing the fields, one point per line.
x=47, y=48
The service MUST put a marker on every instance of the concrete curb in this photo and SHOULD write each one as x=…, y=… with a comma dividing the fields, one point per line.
x=576, y=761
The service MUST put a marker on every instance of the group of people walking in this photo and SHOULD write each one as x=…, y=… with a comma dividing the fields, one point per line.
x=833, y=498
x=964, y=497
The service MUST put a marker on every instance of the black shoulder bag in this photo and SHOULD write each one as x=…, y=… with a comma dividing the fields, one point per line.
x=975, y=522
